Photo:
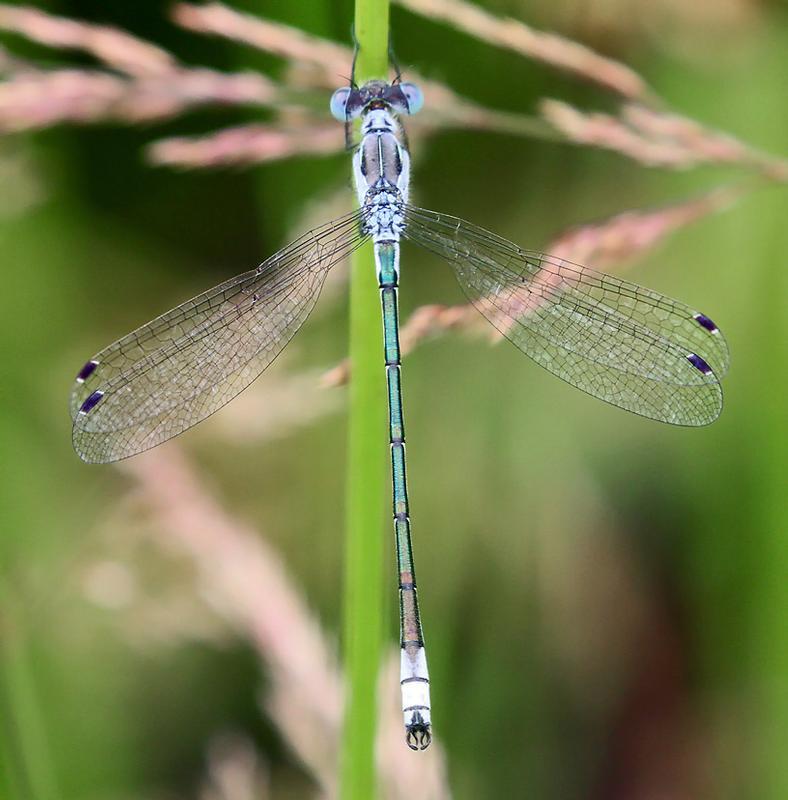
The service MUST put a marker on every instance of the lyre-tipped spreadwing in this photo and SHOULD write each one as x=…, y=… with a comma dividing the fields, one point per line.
x=624, y=344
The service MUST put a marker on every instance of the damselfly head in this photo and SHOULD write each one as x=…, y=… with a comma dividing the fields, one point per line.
x=351, y=102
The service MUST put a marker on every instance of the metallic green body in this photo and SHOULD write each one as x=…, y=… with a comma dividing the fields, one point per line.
x=387, y=254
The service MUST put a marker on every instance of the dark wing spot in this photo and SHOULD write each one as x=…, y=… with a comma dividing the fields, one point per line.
x=705, y=322
x=86, y=371
x=92, y=401
x=699, y=363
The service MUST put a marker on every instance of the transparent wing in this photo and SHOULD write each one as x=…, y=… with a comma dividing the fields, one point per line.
x=178, y=369
x=617, y=341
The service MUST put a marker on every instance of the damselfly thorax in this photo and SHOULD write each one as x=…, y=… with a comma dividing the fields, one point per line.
x=381, y=170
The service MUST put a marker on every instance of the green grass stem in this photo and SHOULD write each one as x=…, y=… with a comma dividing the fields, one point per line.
x=25, y=766
x=366, y=473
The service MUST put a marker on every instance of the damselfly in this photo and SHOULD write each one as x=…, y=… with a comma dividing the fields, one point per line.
x=624, y=344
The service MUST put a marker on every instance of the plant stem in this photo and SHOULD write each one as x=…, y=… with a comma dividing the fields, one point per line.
x=25, y=764
x=366, y=473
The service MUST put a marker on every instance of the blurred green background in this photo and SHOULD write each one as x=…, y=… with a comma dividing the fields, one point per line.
x=605, y=598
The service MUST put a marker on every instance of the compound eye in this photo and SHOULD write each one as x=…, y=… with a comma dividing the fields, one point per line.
x=414, y=97
x=338, y=104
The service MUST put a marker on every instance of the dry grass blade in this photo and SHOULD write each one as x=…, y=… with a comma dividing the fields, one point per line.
x=246, y=144
x=548, y=48
x=35, y=99
x=161, y=88
x=657, y=139
x=610, y=133
x=245, y=580
x=709, y=145
x=234, y=770
x=331, y=63
x=272, y=37
x=644, y=135
x=113, y=47
x=155, y=87
x=629, y=235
